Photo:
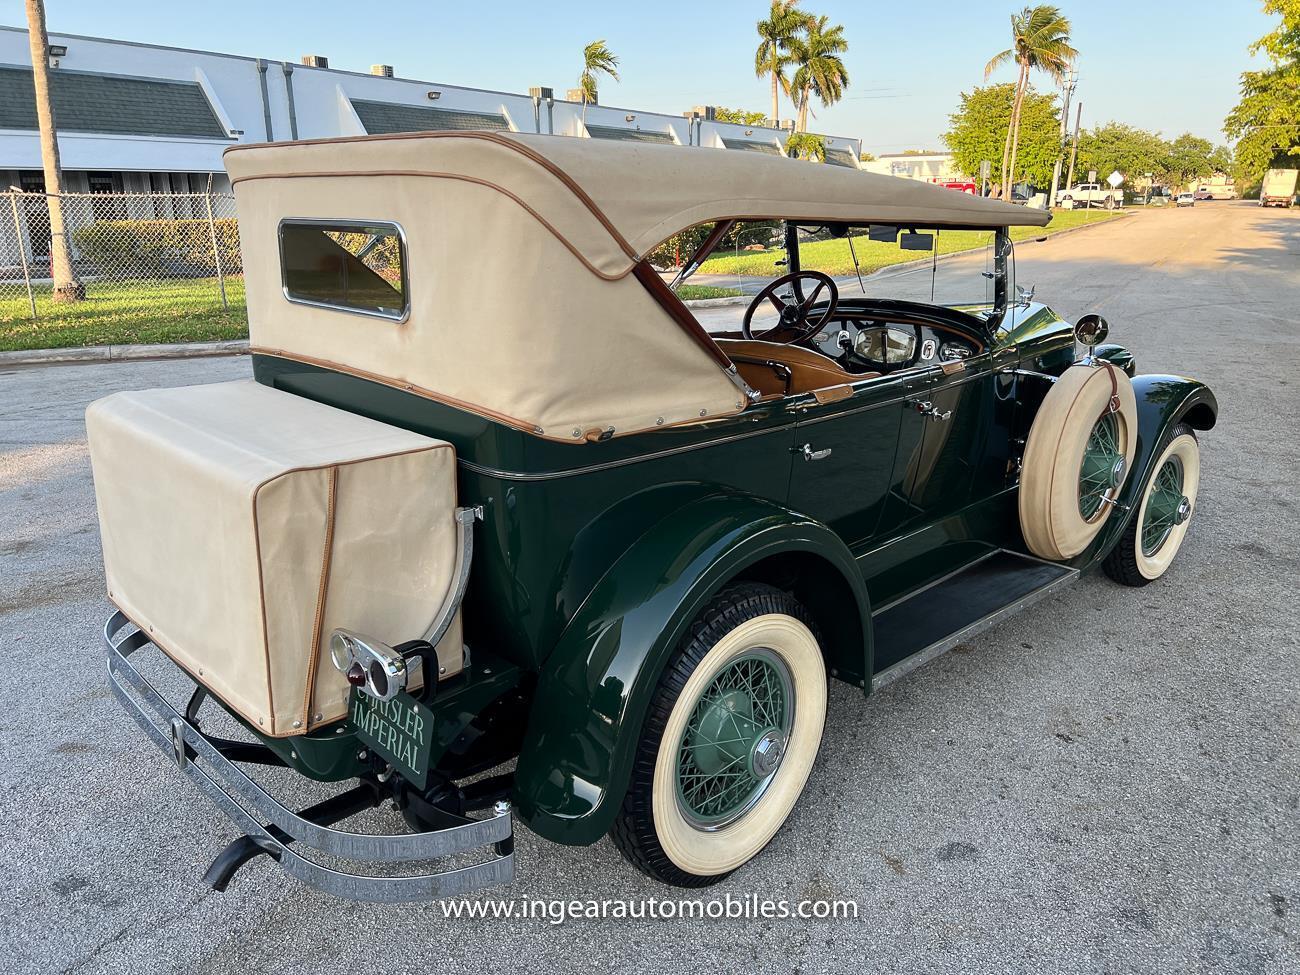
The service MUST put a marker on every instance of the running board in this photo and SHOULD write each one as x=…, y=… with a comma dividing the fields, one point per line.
x=932, y=621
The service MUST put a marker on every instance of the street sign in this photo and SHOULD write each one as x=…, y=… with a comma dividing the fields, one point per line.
x=986, y=168
x=1092, y=176
x=1114, y=179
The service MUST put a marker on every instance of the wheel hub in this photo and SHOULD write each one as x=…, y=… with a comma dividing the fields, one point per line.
x=1117, y=472
x=735, y=739
x=1103, y=467
x=766, y=755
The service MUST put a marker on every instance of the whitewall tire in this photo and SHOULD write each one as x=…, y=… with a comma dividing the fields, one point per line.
x=730, y=739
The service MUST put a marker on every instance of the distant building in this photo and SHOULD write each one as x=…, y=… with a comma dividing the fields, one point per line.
x=930, y=167
x=137, y=117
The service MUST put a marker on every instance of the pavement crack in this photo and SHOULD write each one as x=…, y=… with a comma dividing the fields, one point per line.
x=127, y=929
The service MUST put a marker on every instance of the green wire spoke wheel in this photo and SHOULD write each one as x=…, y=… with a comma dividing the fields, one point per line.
x=735, y=739
x=1102, y=470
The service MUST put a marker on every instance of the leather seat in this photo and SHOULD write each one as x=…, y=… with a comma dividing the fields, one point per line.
x=784, y=370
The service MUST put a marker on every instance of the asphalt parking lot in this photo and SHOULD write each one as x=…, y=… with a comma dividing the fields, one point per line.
x=1109, y=782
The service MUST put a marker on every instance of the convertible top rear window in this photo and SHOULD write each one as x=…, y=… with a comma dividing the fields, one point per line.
x=356, y=266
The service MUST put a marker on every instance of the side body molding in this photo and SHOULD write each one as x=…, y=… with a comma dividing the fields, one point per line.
x=596, y=686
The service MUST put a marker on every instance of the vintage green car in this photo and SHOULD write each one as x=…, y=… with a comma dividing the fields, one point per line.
x=500, y=530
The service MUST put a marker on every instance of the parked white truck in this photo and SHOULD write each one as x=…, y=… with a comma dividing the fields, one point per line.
x=1279, y=188
x=1089, y=195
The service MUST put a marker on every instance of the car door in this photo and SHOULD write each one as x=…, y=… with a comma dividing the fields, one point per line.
x=959, y=461
x=957, y=456
x=846, y=447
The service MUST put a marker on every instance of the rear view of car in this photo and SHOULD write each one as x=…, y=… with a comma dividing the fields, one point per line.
x=1278, y=188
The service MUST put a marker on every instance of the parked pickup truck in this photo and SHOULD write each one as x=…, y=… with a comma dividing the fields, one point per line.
x=1089, y=195
x=1278, y=189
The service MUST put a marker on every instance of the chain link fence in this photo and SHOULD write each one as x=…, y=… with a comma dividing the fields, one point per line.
x=144, y=261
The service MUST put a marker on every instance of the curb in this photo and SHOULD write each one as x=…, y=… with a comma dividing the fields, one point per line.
x=120, y=353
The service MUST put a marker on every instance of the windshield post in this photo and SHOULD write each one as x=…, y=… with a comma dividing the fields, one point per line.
x=1003, y=262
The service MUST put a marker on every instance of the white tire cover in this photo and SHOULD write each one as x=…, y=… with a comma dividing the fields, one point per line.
x=710, y=852
x=1053, y=526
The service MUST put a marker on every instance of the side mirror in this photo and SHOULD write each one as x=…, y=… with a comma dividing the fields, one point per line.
x=1091, y=330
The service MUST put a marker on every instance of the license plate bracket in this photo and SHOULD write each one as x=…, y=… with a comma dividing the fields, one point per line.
x=399, y=730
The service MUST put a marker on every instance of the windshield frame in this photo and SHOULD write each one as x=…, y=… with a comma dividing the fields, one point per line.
x=1003, y=258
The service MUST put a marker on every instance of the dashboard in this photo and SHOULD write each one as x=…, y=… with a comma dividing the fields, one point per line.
x=865, y=344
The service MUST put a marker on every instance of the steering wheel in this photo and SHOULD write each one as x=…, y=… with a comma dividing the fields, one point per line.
x=796, y=315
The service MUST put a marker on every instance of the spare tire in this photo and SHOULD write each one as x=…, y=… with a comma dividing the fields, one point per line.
x=1077, y=456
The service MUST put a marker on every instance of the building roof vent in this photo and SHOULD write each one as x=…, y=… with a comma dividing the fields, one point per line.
x=575, y=95
x=382, y=70
x=315, y=61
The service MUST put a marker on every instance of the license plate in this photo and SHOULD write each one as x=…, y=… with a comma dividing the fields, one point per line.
x=399, y=731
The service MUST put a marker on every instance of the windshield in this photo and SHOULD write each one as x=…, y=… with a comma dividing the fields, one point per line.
x=955, y=268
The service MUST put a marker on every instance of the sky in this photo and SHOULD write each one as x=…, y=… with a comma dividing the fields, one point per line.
x=1169, y=67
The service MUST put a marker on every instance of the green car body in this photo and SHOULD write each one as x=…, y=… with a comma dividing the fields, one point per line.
x=593, y=559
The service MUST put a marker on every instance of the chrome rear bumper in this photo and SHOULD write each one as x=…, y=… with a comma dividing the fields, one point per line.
x=257, y=813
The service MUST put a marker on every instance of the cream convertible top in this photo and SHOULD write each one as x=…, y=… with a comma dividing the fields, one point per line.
x=529, y=298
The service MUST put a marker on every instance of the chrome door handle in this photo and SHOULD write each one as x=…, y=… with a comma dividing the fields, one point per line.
x=926, y=408
x=810, y=454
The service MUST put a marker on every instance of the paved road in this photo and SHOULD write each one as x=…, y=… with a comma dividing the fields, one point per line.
x=1108, y=783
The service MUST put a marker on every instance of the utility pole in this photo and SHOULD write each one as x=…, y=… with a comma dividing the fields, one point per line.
x=1067, y=91
x=66, y=285
x=1074, y=149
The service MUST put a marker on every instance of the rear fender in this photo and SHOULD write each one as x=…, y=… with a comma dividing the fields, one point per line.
x=1162, y=401
x=596, y=686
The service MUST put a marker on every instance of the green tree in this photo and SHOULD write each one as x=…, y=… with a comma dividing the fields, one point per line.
x=597, y=59
x=1040, y=40
x=1116, y=147
x=1187, y=159
x=977, y=129
x=772, y=58
x=1266, y=122
x=739, y=116
x=1222, y=161
x=805, y=145
x=821, y=71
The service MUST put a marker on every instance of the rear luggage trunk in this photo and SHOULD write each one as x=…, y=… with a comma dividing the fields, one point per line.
x=241, y=525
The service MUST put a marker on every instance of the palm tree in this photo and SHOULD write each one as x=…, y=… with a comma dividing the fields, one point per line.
x=776, y=35
x=1040, y=38
x=67, y=287
x=802, y=145
x=597, y=59
x=821, y=72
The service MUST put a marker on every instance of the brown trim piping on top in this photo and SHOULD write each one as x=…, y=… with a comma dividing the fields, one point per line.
x=322, y=594
x=493, y=137
x=509, y=421
x=401, y=384
x=266, y=635
x=670, y=303
x=458, y=176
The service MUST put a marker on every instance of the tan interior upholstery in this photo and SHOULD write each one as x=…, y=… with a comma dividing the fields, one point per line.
x=783, y=370
x=242, y=524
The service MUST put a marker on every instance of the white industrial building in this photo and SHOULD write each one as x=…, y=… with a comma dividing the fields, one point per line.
x=136, y=117
x=929, y=167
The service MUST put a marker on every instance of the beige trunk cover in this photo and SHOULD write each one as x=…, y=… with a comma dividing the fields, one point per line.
x=242, y=524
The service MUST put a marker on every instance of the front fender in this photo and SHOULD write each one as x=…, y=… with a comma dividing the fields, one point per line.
x=1162, y=401
x=596, y=686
